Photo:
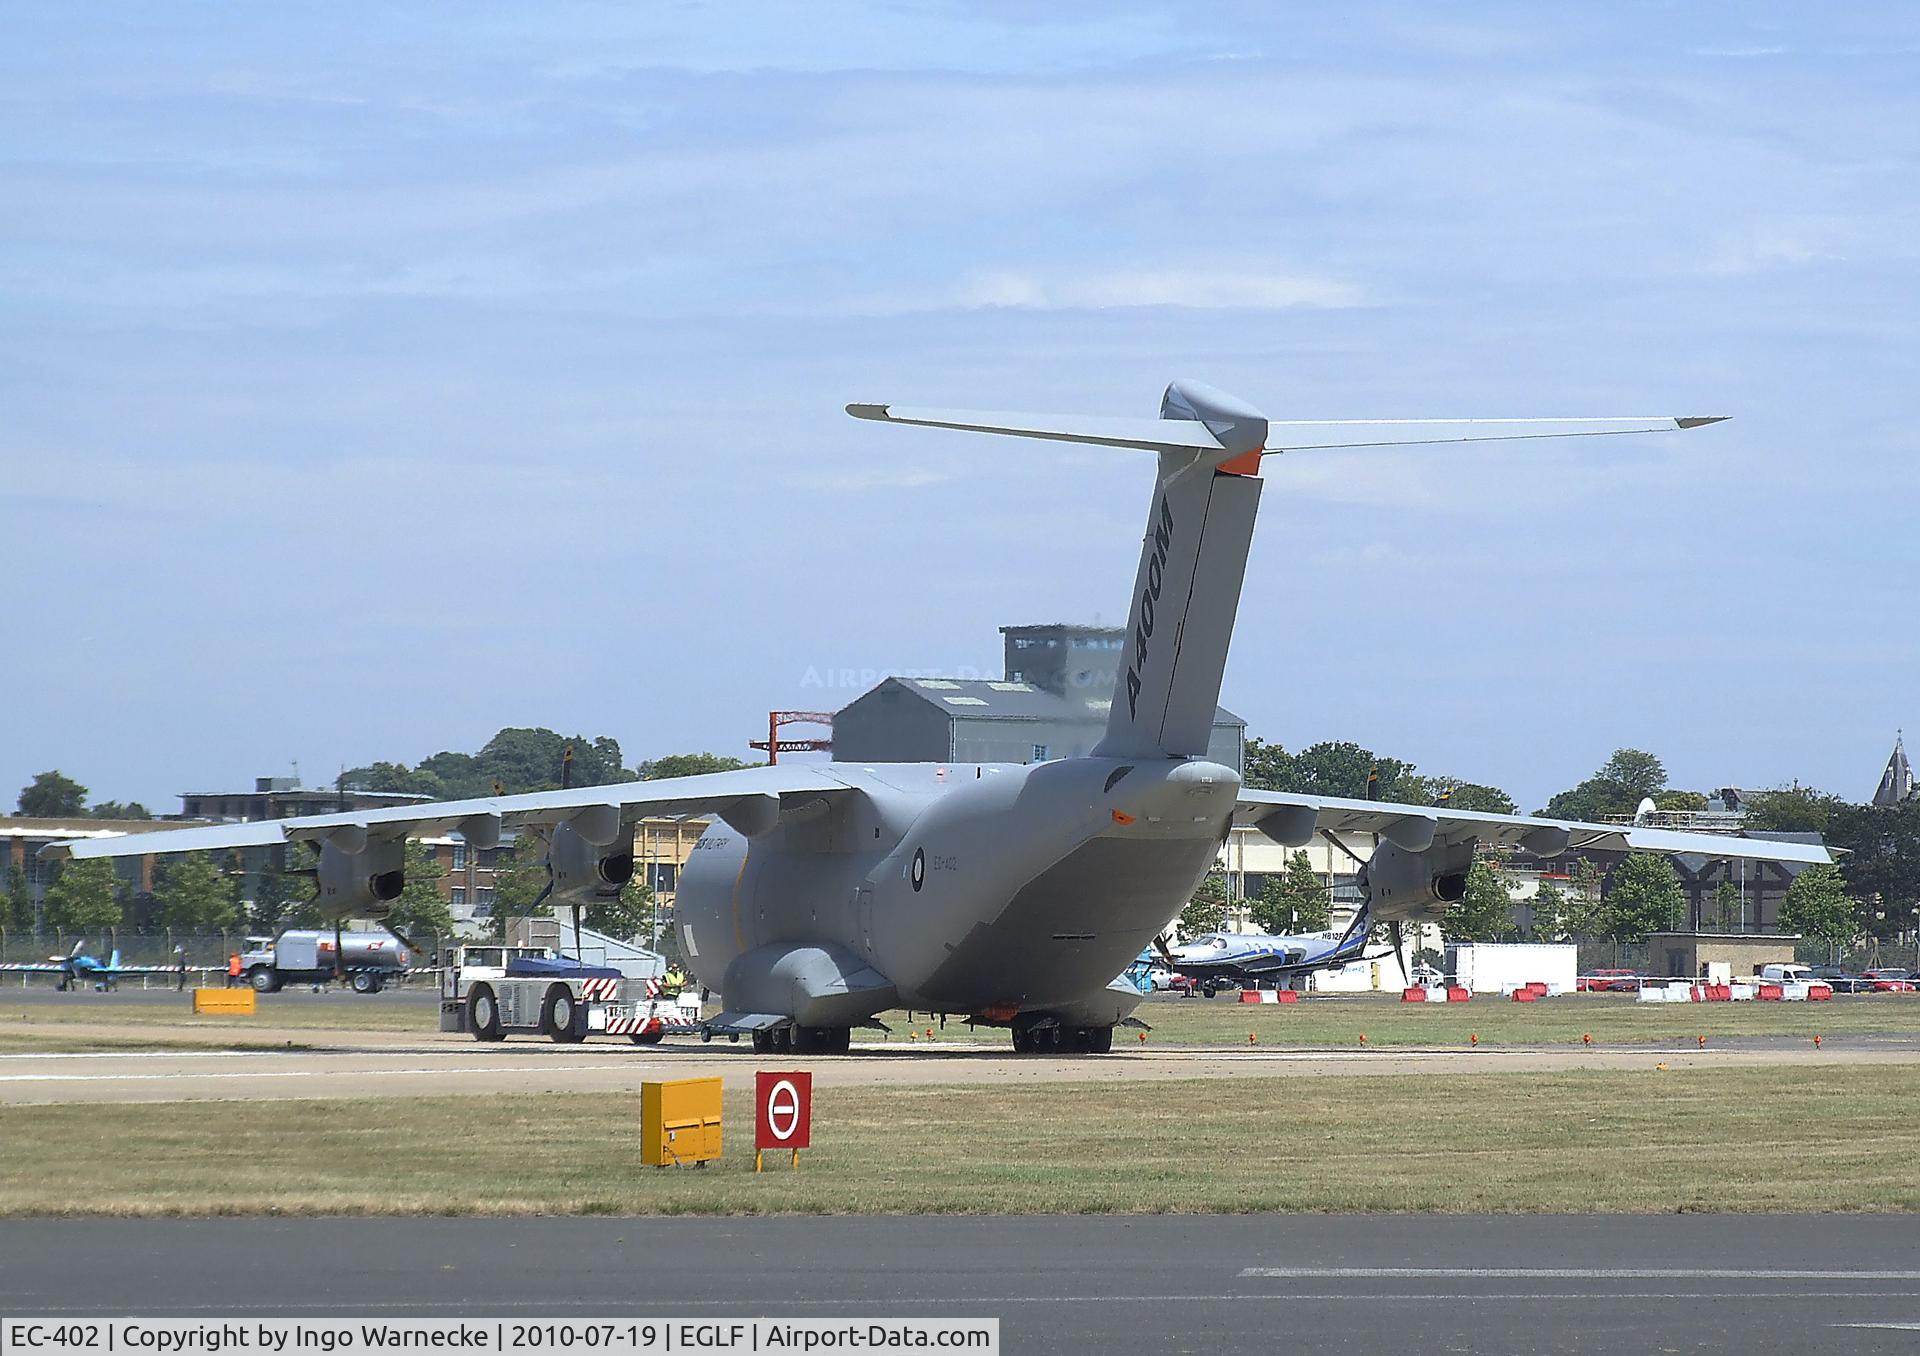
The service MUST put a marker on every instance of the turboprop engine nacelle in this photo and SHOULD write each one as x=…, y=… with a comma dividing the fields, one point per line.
x=1402, y=884
x=359, y=878
x=585, y=870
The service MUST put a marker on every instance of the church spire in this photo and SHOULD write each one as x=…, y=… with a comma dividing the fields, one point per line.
x=1896, y=783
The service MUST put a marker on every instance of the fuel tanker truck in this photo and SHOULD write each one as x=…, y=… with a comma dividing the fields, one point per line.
x=369, y=960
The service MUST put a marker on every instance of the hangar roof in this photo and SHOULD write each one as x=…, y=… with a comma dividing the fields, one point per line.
x=997, y=699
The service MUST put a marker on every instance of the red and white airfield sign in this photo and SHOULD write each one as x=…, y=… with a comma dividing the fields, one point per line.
x=782, y=1113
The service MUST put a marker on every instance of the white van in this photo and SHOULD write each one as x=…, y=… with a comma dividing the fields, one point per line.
x=1786, y=974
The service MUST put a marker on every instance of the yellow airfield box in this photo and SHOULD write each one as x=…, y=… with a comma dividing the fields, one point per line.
x=680, y=1121
x=231, y=1002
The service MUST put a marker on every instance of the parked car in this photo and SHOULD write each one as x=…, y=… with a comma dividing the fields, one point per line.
x=1786, y=973
x=1608, y=981
x=1889, y=979
x=1842, y=980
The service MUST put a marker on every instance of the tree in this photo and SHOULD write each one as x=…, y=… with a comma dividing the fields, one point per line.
x=53, y=795
x=193, y=892
x=1296, y=901
x=1341, y=768
x=284, y=897
x=81, y=898
x=1679, y=800
x=516, y=759
x=1623, y=781
x=1636, y=772
x=1266, y=767
x=421, y=911
x=626, y=916
x=1483, y=913
x=1549, y=909
x=687, y=765
x=519, y=876
x=16, y=905
x=113, y=809
x=1725, y=911
x=1207, y=910
x=1644, y=896
x=1817, y=906
x=1790, y=809
x=1481, y=799
x=1583, y=915
x=1882, y=869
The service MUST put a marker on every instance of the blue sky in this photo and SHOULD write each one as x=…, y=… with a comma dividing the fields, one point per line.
x=373, y=379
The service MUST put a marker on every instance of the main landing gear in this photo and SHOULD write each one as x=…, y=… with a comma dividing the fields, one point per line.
x=803, y=1040
x=1044, y=1037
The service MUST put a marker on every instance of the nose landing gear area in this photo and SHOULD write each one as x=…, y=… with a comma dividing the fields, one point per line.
x=1031, y=1036
x=803, y=1040
x=1045, y=1036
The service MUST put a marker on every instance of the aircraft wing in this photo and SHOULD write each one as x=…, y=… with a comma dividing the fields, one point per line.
x=1294, y=819
x=753, y=791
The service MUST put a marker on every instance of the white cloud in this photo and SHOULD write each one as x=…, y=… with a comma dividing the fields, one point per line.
x=876, y=478
x=1194, y=289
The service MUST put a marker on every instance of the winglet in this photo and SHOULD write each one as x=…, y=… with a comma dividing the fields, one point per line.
x=867, y=411
x=1701, y=420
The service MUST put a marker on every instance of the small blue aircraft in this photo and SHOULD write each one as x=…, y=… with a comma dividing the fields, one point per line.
x=77, y=966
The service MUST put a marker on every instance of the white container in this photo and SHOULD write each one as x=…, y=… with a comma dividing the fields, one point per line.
x=1502, y=967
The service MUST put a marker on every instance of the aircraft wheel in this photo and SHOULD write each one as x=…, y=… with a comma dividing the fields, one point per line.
x=842, y=1040
x=1099, y=1040
x=1080, y=1040
x=263, y=979
x=558, y=1013
x=1021, y=1045
x=781, y=1038
x=763, y=1042
x=483, y=1013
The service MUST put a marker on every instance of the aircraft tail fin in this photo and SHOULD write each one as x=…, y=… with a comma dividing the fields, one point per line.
x=1186, y=589
x=113, y=961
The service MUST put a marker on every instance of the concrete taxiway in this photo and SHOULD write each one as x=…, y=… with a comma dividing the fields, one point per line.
x=1156, y=1283
x=393, y=1064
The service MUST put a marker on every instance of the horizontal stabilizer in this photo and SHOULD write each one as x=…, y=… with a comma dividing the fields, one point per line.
x=1145, y=435
x=1338, y=433
x=1286, y=435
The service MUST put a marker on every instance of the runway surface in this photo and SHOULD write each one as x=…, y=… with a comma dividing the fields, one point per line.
x=392, y=1064
x=1127, y=1284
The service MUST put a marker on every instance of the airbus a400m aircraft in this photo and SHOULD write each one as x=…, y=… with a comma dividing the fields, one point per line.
x=1008, y=894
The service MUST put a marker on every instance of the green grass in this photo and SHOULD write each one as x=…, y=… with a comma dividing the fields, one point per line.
x=1683, y=1140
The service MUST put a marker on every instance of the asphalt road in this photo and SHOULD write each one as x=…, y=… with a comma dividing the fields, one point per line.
x=1164, y=1283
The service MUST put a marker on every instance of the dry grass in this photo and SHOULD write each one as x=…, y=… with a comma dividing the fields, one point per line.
x=1339, y=1022
x=1698, y=1139
x=343, y=1011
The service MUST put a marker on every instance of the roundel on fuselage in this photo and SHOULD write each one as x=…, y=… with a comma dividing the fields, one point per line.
x=917, y=873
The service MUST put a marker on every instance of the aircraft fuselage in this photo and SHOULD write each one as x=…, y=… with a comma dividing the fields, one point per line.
x=984, y=890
